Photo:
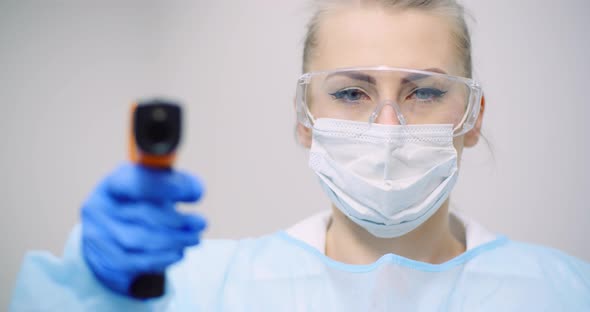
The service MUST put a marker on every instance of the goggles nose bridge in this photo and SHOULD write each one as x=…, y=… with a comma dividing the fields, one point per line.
x=379, y=109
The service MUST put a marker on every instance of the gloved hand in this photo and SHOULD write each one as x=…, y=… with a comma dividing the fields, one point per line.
x=130, y=225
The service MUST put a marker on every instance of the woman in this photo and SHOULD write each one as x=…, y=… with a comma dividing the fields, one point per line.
x=386, y=106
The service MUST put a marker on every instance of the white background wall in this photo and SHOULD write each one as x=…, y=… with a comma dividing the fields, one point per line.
x=69, y=69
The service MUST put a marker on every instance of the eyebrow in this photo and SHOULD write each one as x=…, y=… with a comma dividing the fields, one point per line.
x=417, y=76
x=370, y=79
x=355, y=75
x=435, y=70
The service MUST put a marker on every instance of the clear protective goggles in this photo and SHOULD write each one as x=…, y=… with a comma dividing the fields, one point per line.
x=415, y=97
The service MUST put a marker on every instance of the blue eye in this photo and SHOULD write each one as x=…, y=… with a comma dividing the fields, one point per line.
x=349, y=95
x=428, y=94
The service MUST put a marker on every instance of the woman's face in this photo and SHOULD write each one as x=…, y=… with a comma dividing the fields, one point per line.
x=375, y=36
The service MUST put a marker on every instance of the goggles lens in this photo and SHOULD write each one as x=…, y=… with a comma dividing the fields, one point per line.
x=414, y=97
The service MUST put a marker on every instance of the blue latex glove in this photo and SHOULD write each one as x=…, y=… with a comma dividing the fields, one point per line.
x=130, y=225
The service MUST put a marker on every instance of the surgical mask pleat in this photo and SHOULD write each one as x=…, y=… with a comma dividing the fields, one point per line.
x=387, y=176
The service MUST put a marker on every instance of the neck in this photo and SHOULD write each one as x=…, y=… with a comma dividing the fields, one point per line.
x=432, y=242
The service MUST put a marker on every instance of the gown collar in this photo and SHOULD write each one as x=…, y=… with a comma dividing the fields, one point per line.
x=312, y=230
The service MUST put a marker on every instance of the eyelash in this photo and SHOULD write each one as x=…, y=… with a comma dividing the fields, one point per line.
x=341, y=94
x=435, y=93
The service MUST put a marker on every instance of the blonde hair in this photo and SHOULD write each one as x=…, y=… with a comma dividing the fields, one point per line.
x=447, y=8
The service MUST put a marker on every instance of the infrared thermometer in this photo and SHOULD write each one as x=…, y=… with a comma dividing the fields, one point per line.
x=156, y=126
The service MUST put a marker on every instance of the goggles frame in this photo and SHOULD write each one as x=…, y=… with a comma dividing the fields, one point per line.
x=306, y=118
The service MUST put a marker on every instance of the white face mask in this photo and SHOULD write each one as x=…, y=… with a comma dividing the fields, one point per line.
x=387, y=179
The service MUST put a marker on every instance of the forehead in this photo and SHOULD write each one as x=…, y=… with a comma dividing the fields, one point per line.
x=374, y=36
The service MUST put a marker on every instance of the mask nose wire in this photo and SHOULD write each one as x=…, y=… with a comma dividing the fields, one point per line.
x=396, y=109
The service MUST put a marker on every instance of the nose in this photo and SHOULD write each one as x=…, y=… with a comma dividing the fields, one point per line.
x=387, y=115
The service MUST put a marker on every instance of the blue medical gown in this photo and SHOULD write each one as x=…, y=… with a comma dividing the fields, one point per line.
x=280, y=273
